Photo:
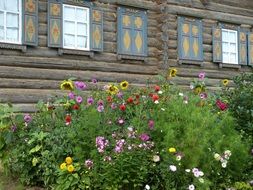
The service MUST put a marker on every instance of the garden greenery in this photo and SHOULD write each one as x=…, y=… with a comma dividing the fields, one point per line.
x=124, y=137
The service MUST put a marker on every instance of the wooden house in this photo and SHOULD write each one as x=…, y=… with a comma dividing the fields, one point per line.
x=43, y=42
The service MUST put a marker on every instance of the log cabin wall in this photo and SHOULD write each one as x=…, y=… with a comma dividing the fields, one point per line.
x=35, y=73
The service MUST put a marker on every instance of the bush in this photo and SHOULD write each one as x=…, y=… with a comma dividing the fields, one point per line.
x=126, y=138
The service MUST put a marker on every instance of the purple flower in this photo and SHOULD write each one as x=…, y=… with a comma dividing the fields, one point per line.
x=27, y=118
x=100, y=108
x=202, y=75
x=119, y=145
x=79, y=99
x=100, y=103
x=71, y=95
x=13, y=128
x=144, y=137
x=90, y=101
x=94, y=81
x=120, y=95
x=80, y=85
x=151, y=124
x=101, y=144
x=89, y=164
x=113, y=106
x=203, y=95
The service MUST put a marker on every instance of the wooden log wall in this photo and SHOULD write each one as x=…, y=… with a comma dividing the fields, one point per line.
x=36, y=74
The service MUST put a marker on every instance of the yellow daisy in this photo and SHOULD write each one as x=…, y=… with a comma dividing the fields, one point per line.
x=112, y=89
x=71, y=168
x=67, y=85
x=68, y=160
x=172, y=72
x=172, y=150
x=124, y=85
x=63, y=166
x=225, y=82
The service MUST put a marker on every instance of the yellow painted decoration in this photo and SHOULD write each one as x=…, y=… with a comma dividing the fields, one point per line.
x=186, y=46
x=127, y=40
x=97, y=16
x=55, y=32
x=30, y=29
x=243, y=53
x=55, y=9
x=138, y=22
x=138, y=41
x=186, y=28
x=97, y=36
x=126, y=20
x=195, y=47
x=30, y=6
x=195, y=30
x=217, y=33
x=217, y=50
x=243, y=37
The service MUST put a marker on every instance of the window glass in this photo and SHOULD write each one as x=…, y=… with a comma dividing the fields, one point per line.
x=12, y=5
x=229, y=46
x=69, y=13
x=12, y=20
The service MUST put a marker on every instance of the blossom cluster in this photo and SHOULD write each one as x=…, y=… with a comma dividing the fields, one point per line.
x=223, y=158
x=101, y=144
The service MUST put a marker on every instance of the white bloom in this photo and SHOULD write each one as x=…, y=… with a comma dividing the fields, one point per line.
x=194, y=170
x=224, y=164
x=228, y=152
x=196, y=174
x=181, y=94
x=173, y=168
x=217, y=157
x=188, y=170
x=191, y=187
x=156, y=158
x=185, y=101
x=191, y=86
x=156, y=102
x=147, y=187
x=178, y=158
x=201, y=173
x=160, y=92
x=201, y=180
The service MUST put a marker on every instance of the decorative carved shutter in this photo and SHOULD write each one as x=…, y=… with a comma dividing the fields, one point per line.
x=30, y=22
x=54, y=23
x=124, y=31
x=196, y=42
x=242, y=47
x=184, y=38
x=96, y=28
x=250, y=48
x=217, y=44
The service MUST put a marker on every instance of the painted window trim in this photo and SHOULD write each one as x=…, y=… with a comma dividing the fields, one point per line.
x=131, y=56
x=237, y=50
x=11, y=44
x=88, y=30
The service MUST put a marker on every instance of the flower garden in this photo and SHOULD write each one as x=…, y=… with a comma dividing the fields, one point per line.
x=123, y=137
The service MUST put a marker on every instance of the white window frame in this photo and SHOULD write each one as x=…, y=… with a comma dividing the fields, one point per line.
x=19, y=24
x=229, y=42
x=76, y=21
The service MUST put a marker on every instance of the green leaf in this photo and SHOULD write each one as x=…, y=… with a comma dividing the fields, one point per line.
x=35, y=149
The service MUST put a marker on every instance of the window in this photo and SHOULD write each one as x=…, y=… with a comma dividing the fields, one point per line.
x=132, y=32
x=10, y=21
x=229, y=46
x=76, y=27
x=190, y=45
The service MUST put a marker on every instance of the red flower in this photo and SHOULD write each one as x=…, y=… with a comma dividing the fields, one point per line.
x=130, y=100
x=109, y=99
x=75, y=107
x=68, y=119
x=150, y=95
x=223, y=106
x=155, y=97
x=137, y=96
x=122, y=107
x=157, y=88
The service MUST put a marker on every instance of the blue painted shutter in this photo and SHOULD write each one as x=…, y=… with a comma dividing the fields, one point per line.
x=242, y=47
x=217, y=44
x=250, y=49
x=139, y=33
x=184, y=38
x=30, y=22
x=54, y=23
x=96, y=29
x=196, y=42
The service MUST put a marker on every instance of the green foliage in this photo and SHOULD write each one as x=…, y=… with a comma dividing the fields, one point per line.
x=242, y=186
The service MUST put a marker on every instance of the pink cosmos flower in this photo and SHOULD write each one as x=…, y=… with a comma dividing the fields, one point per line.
x=100, y=108
x=80, y=85
x=89, y=164
x=90, y=101
x=202, y=75
x=79, y=99
x=151, y=124
x=144, y=137
x=27, y=118
x=71, y=95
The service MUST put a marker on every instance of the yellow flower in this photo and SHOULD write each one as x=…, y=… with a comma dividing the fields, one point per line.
x=67, y=85
x=172, y=72
x=63, y=166
x=68, y=160
x=124, y=85
x=225, y=82
x=112, y=89
x=172, y=150
x=197, y=90
x=71, y=168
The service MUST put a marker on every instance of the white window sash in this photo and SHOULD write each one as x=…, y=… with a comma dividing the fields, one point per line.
x=87, y=22
x=229, y=42
x=19, y=41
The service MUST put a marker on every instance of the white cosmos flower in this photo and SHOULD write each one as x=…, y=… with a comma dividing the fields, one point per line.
x=147, y=187
x=156, y=102
x=173, y=168
x=217, y=156
x=224, y=164
x=188, y=170
x=160, y=92
x=156, y=158
x=191, y=187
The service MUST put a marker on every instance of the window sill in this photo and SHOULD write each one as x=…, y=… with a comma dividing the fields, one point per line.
x=191, y=62
x=227, y=65
x=75, y=52
x=13, y=46
x=132, y=57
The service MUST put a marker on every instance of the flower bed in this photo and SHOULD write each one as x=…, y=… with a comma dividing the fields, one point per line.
x=124, y=137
